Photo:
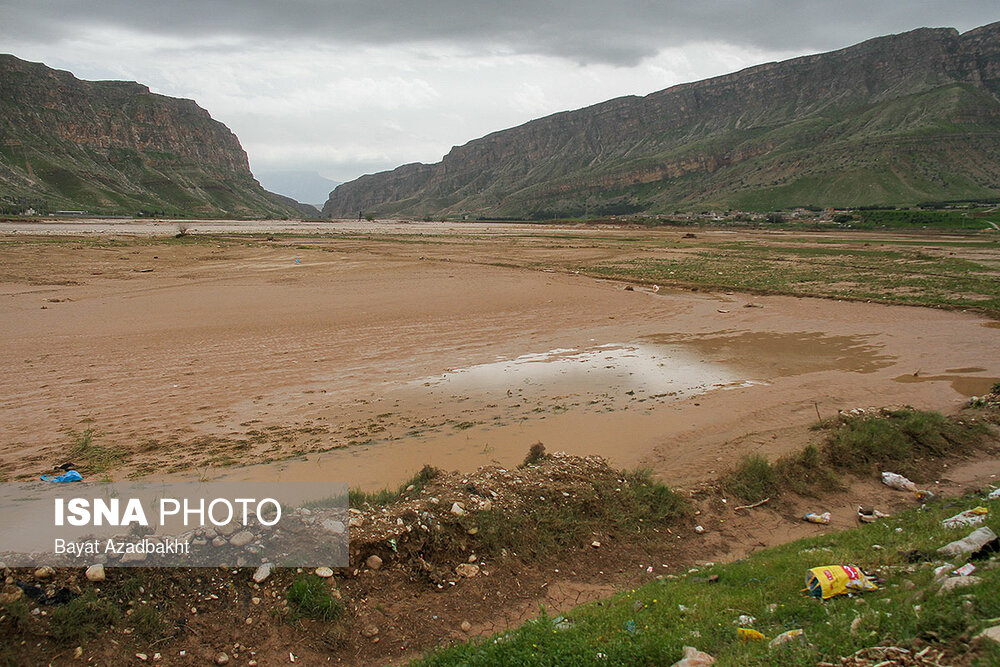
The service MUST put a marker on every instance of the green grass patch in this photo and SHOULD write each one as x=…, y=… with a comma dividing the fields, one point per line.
x=82, y=618
x=651, y=624
x=358, y=498
x=897, y=438
x=862, y=444
x=310, y=597
x=909, y=276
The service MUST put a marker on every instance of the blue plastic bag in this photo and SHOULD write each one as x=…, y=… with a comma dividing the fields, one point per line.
x=68, y=476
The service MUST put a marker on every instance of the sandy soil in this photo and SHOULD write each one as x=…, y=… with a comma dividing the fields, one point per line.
x=361, y=358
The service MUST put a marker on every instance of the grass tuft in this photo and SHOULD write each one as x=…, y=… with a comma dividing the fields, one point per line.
x=536, y=454
x=311, y=597
x=753, y=479
x=358, y=498
x=82, y=618
x=98, y=458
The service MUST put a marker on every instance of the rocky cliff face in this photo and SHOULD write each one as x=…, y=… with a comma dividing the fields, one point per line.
x=114, y=147
x=832, y=129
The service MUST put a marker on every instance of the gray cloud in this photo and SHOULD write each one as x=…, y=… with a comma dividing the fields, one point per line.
x=620, y=33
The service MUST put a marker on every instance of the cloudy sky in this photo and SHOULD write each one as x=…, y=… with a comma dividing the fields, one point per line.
x=347, y=87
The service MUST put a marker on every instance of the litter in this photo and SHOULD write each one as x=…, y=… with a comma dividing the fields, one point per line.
x=786, y=637
x=694, y=658
x=965, y=570
x=749, y=635
x=825, y=582
x=68, y=476
x=973, y=542
x=972, y=517
x=987, y=551
x=813, y=517
x=870, y=514
x=898, y=482
x=994, y=494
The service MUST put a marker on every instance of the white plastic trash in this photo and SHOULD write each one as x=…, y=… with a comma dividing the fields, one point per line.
x=975, y=541
x=972, y=517
x=898, y=482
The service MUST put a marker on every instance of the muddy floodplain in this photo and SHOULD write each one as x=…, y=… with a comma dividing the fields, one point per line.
x=361, y=359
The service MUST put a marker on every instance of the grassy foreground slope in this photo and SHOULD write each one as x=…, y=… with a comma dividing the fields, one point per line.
x=651, y=625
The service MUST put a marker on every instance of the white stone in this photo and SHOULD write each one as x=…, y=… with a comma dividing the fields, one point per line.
x=324, y=572
x=95, y=573
x=241, y=539
x=262, y=573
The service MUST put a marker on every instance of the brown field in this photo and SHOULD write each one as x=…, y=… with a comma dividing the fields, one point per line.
x=365, y=354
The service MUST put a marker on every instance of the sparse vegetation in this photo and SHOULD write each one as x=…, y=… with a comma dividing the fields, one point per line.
x=860, y=444
x=98, y=458
x=310, y=596
x=536, y=454
x=650, y=625
x=359, y=498
x=82, y=618
x=541, y=527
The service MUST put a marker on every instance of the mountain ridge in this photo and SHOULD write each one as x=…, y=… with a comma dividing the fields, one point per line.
x=115, y=147
x=736, y=140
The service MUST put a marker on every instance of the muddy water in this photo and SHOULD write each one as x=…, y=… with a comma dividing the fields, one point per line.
x=962, y=380
x=609, y=399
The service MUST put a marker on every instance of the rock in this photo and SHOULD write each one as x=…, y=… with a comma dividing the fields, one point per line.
x=694, y=658
x=222, y=658
x=142, y=656
x=486, y=505
x=10, y=593
x=951, y=583
x=595, y=544
x=356, y=522
x=228, y=529
x=78, y=653
x=699, y=529
x=472, y=558
x=335, y=527
x=324, y=572
x=467, y=570
x=44, y=572
x=262, y=573
x=374, y=562
x=219, y=541
x=133, y=557
x=466, y=626
x=242, y=538
x=992, y=634
x=95, y=573
x=369, y=631
x=457, y=509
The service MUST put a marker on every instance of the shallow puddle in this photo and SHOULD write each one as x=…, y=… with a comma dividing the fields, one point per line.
x=610, y=370
x=964, y=384
x=766, y=355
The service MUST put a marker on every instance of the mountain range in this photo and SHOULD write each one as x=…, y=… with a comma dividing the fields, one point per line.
x=895, y=120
